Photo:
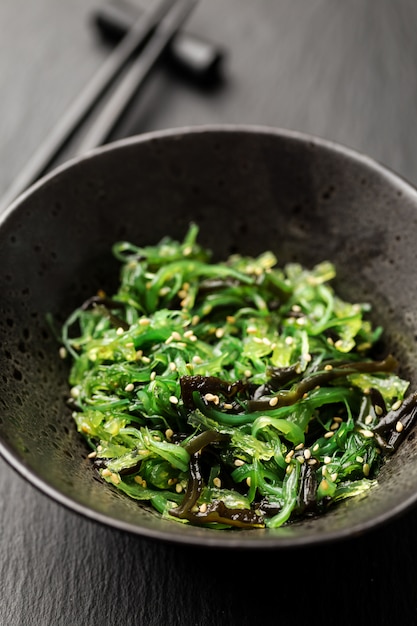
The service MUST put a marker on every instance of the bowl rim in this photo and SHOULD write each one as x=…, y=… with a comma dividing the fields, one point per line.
x=217, y=539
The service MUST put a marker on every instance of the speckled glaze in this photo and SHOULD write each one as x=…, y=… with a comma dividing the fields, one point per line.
x=249, y=189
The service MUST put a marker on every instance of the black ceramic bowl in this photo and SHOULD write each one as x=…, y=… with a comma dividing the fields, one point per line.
x=249, y=189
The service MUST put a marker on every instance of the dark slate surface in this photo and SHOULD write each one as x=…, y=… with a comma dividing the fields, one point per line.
x=342, y=70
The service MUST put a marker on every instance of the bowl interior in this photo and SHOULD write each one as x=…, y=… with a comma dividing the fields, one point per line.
x=249, y=189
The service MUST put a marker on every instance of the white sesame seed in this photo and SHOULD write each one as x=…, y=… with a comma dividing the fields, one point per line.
x=396, y=405
x=75, y=392
x=378, y=410
x=188, y=333
x=176, y=336
x=203, y=507
x=328, y=367
x=328, y=434
x=173, y=399
x=178, y=487
x=289, y=340
x=115, y=479
x=337, y=419
x=399, y=426
x=299, y=446
x=307, y=453
x=273, y=401
x=327, y=459
x=129, y=387
x=211, y=397
x=197, y=359
x=248, y=373
x=316, y=447
x=366, y=469
x=312, y=461
x=248, y=481
x=106, y=472
x=368, y=420
x=92, y=455
x=130, y=344
x=359, y=459
x=120, y=331
x=300, y=459
x=219, y=333
x=239, y=462
x=153, y=375
x=334, y=476
x=366, y=433
x=217, y=482
x=168, y=433
x=172, y=367
x=227, y=406
x=334, y=426
x=146, y=359
x=62, y=352
x=324, y=485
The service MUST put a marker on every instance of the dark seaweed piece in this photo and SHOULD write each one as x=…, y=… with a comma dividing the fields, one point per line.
x=307, y=494
x=395, y=425
x=203, y=439
x=216, y=511
x=320, y=379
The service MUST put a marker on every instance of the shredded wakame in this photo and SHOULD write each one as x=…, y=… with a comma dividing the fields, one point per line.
x=235, y=393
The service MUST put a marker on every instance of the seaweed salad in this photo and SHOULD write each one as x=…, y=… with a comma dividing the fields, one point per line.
x=234, y=393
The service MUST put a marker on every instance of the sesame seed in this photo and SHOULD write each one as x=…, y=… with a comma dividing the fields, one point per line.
x=188, y=333
x=227, y=406
x=396, y=405
x=359, y=459
x=251, y=330
x=257, y=340
x=266, y=341
x=120, y=331
x=334, y=426
x=129, y=387
x=195, y=319
x=337, y=419
x=248, y=481
x=307, y=453
x=289, y=340
x=329, y=434
x=146, y=359
x=130, y=344
x=75, y=392
x=106, y=472
x=197, y=359
x=378, y=410
x=203, y=507
x=248, y=373
x=164, y=291
x=399, y=426
x=273, y=401
x=92, y=455
x=187, y=250
x=366, y=469
x=296, y=308
x=231, y=319
x=368, y=420
x=153, y=375
x=300, y=459
x=327, y=459
x=168, y=433
x=316, y=447
x=366, y=433
x=328, y=367
x=288, y=469
x=62, y=352
x=300, y=446
x=172, y=367
x=333, y=477
x=211, y=397
x=239, y=462
x=176, y=336
x=173, y=399
x=115, y=479
x=219, y=333
x=217, y=482
x=312, y=461
x=178, y=487
x=324, y=485
x=172, y=481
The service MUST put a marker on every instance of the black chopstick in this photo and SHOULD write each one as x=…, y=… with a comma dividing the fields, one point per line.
x=135, y=76
x=38, y=165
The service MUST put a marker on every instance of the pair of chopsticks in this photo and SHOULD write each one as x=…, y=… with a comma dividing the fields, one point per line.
x=130, y=63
